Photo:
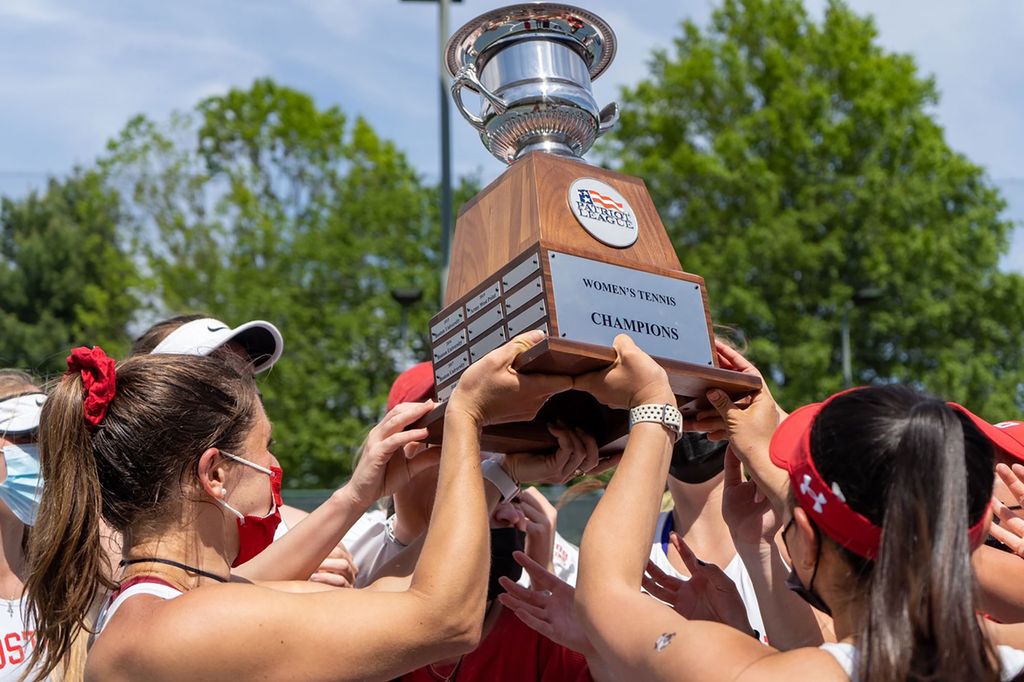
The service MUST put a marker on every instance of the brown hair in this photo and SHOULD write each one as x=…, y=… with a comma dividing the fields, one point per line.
x=132, y=471
x=151, y=338
x=923, y=473
x=14, y=381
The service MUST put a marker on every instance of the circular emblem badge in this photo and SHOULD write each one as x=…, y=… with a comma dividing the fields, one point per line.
x=603, y=212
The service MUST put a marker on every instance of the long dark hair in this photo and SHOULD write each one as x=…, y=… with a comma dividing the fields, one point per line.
x=923, y=473
x=133, y=471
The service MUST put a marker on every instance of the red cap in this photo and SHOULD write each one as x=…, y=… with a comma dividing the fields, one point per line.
x=790, y=449
x=414, y=385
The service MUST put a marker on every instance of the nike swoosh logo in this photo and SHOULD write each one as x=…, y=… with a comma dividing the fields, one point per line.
x=214, y=329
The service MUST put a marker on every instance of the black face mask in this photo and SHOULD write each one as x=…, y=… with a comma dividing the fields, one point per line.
x=695, y=459
x=504, y=541
x=794, y=583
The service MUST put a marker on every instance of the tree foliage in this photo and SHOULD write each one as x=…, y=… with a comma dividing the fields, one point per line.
x=258, y=204
x=66, y=276
x=796, y=163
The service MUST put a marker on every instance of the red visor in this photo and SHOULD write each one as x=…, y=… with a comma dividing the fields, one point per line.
x=790, y=449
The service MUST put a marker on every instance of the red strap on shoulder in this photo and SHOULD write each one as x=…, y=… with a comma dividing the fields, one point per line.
x=136, y=580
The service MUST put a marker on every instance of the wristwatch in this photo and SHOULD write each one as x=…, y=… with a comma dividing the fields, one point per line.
x=505, y=484
x=667, y=415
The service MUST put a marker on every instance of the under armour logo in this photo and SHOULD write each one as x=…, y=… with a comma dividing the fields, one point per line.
x=819, y=498
x=1006, y=425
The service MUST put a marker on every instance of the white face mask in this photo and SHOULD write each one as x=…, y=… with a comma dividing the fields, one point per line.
x=23, y=486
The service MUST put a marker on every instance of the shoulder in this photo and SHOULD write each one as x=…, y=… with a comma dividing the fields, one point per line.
x=807, y=663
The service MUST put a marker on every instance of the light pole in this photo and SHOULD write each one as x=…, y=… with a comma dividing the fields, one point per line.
x=860, y=297
x=406, y=298
x=446, y=154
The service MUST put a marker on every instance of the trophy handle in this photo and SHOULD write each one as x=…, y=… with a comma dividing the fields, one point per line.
x=466, y=78
x=609, y=117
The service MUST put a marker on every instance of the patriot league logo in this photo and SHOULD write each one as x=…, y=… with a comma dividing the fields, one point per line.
x=603, y=212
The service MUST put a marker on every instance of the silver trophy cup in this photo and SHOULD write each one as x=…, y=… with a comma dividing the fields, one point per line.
x=532, y=65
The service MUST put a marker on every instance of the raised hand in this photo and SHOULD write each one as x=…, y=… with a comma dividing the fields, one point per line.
x=491, y=392
x=576, y=455
x=1010, y=529
x=634, y=378
x=709, y=594
x=379, y=472
x=747, y=511
x=338, y=569
x=547, y=606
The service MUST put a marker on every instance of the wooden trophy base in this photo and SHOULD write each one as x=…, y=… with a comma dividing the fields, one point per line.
x=580, y=252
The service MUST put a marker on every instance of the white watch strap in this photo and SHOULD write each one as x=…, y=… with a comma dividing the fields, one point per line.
x=667, y=415
x=505, y=484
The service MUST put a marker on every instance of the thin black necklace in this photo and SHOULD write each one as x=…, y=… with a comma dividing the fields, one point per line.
x=176, y=564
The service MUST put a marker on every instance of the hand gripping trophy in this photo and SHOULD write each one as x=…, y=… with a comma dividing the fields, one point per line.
x=555, y=243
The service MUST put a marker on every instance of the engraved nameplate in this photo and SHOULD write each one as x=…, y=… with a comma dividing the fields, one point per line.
x=520, y=272
x=450, y=369
x=597, y=301
x=487, y=344
x=450, y=346
x=485, y=321
x=526, y=319
x=529, y=291
x=481, y=300
x=447, y=324
x=446, y=392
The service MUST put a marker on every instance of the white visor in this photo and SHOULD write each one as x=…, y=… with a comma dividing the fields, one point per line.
x=261, y=340
x=20, y=414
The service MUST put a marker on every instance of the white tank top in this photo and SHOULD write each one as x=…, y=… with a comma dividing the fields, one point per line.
x=133, y=590
x=1011, y=661
x=735, y=570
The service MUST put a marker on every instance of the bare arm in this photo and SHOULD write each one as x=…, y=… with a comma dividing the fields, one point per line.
x=299, y=553
x=240, y=631
x=658, y=643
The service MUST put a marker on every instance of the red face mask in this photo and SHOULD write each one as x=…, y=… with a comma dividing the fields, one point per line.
x=255, y=533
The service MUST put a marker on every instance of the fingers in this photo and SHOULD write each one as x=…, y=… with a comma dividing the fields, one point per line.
x=534, y=598
x=657, y=590
x=733, y=469
x=507, y=353
x=690, y=560
x=575, y=460
x=402, y=415
x=539, y=576
x=732, y=359
x=1013, y=479
x=590, y=445
x=721, y=402
x=532, y=621
x=606, y=464
x=332, y=579
x=399, y=440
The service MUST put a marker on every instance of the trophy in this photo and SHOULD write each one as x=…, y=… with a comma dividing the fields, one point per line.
x=555, y=243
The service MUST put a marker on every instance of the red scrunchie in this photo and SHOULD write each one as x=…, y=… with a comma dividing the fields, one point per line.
x=97, y=369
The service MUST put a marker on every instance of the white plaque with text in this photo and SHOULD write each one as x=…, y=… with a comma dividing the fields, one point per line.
x=595, y=302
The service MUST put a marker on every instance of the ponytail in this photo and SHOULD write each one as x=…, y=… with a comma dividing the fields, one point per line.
x=67, y=562
x=922, y=589
x=923, y=473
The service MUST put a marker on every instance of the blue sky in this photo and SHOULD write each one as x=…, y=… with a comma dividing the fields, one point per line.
x=72, y=73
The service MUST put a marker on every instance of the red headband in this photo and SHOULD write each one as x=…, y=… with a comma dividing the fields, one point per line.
x=790, y=449
x=97, y=370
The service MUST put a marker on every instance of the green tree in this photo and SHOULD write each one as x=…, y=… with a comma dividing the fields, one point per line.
x=66, y=278
x=796, y=163
x=258, y=204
